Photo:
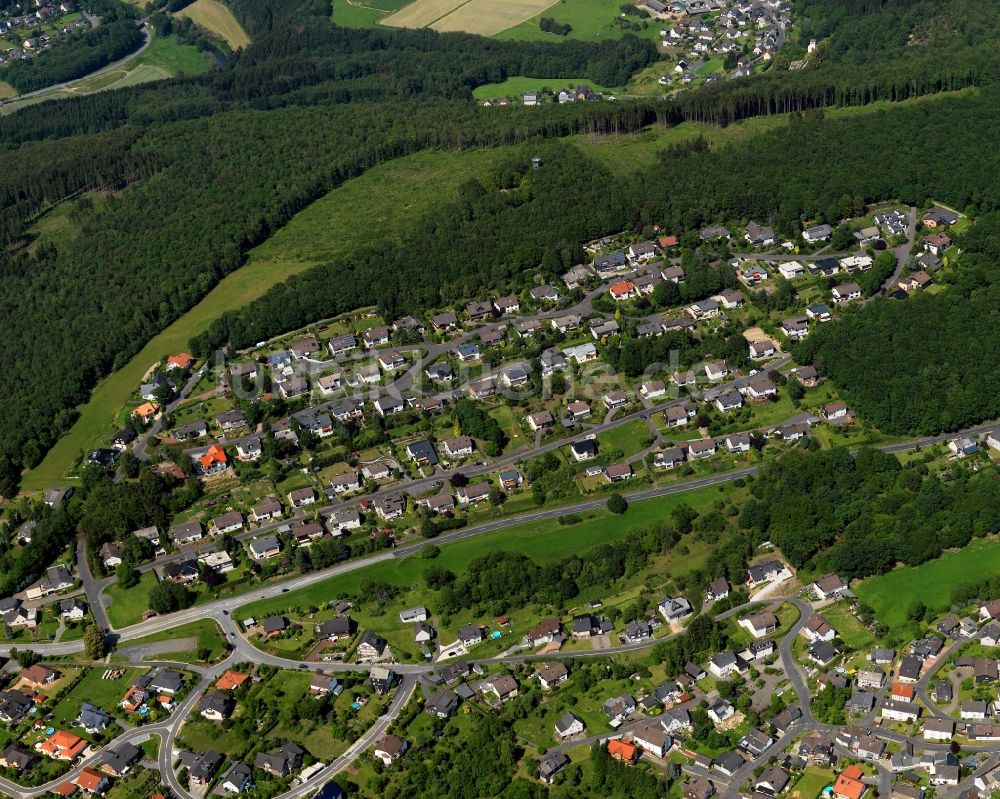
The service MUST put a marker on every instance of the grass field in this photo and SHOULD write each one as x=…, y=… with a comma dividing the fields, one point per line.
x=206, y=631
x=6, y=90
x=350, y=14
x=128, y=605
x=488, y=17
x=174, y=58
x=591, y=20
x=519, y=84
x=544, y=542
x=628, y=438
x=216, y=18
x=931, y=583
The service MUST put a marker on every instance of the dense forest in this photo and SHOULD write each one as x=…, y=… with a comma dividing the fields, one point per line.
x=861, y=515
x=205, y=167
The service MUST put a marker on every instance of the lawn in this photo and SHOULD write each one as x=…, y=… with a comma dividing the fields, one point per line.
x=6, y=90
x=214, y=17
x=544, y=542
x=851, y=631
x=813, y=781
x=627, y=438
x=519, y=84
x=128, y=605
x=95, y=689
x=931, y=583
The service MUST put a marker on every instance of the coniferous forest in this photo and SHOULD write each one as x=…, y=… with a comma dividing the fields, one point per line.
x=198, y=170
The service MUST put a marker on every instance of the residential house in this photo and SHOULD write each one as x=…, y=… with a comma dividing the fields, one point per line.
x=569, y=726
x=674, y=608
x=729, y=401
x=280, y=762
x=335, y=629
x=265, y=510
x=652, y=739
x=701, y=448
x=583, y=450
x=668, y=458
x=230, y=522
x=833, y=411
x=265, y=547
x=551, y=764
x=760, y=350
x=503, y=686
x=216, y=706
x=720, y=711
x=816, y=234
x=849, y=784
x=551, y=675
x=372, y=647
x=301, y=497
x=544, y=632
x=237, y=778
x=759, y=235
x=618, y=472
x=846, y=292
x=759, y=624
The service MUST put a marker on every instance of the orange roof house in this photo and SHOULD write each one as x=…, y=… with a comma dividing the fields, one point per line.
x=91, y=781
x=667, y=242
x=214, y=456
x=620, y=750
x=902, y=692
x=623, y=290
x=66, y=789
x=63, y=745
x=146, y=411
x=182, y=360
x=231, y=680
x=133, y=699
x=849, y=784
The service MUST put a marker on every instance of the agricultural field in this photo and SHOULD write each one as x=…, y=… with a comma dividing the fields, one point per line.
x=214, y=17
x=422, y=13
x=891, y=594
x=488, y=18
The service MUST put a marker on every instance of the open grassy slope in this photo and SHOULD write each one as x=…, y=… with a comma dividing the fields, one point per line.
x=216, y=18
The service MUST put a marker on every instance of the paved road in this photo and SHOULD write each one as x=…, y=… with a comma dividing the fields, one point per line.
x=90, y=585
x=902, y=253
